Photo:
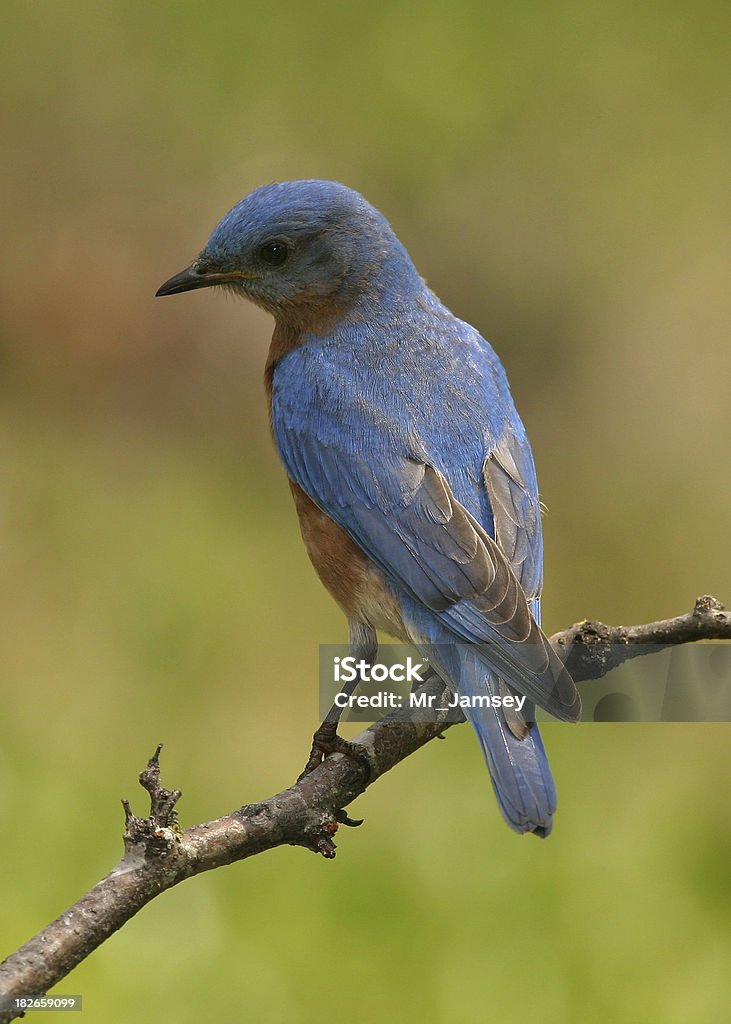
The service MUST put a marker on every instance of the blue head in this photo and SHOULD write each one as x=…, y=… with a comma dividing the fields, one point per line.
x=299, y=249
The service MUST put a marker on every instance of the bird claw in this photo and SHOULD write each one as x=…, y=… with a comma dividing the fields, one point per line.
x=342, y=818
x=325, y=742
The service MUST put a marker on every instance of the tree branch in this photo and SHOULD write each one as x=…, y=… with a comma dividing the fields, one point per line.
x=591, y=649
x=158, y=854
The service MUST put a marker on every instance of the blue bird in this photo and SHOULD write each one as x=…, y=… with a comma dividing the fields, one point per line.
x=411, y=471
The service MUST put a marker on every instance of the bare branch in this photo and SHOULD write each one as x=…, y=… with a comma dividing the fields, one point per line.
x=591, y=649
x=159, y=855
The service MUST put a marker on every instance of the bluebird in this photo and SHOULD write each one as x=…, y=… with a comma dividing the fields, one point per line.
x=410, y=468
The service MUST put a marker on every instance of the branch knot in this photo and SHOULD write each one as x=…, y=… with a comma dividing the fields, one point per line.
x=157, y=835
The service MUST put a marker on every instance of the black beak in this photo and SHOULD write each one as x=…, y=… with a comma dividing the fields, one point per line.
x=194, y=276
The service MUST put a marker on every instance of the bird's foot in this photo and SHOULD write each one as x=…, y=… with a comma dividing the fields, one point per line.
x=325, y=742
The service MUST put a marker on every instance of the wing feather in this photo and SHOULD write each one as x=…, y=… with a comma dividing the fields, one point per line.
x=405, y=516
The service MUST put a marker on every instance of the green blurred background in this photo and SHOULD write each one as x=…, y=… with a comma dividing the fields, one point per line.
x=559, y=174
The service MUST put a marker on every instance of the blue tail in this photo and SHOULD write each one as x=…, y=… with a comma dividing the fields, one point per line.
x=519, y=770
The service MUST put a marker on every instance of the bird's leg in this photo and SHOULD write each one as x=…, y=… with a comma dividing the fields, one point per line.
x=431, y=673
x=363, y=647
x=417, y=683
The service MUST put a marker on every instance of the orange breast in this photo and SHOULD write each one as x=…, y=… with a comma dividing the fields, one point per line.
x=359, y=586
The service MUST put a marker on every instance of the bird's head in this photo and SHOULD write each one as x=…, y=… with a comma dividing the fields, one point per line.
x=298, y=249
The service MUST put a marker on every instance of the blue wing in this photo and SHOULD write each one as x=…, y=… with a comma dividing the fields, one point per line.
x=432, y=477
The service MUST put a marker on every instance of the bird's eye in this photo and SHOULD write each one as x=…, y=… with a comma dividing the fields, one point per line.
x=274, y=252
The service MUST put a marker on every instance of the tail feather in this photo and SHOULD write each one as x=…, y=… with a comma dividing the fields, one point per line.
x=519, y=769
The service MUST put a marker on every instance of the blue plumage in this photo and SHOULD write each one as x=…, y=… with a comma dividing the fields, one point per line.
x=395, y=419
